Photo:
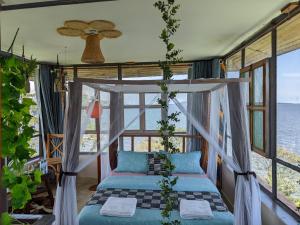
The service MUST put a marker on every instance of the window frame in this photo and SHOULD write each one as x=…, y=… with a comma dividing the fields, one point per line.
x=264, y=108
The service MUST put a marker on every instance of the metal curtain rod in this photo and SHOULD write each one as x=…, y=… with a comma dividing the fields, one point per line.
x=41, y=4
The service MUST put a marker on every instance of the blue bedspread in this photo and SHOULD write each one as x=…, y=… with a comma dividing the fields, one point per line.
x=90, y=215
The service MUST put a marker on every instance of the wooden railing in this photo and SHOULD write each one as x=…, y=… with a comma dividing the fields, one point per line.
x=185, y=140
x=150, y=136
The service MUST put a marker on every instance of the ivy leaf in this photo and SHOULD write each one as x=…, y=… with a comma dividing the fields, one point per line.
x=37, y=176
x=170, y=46
x=20, y=195
x=5, y=219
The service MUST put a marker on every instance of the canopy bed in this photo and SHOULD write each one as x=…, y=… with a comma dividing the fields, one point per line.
x=133, y=175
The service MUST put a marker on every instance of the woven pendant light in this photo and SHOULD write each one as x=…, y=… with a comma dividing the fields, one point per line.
x=92, y=52
x=92, y=32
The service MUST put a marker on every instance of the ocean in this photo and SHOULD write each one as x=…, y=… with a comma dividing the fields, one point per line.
x=288, y=126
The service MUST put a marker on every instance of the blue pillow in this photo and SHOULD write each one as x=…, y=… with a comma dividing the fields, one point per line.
x=134, y=162
x=187, y=162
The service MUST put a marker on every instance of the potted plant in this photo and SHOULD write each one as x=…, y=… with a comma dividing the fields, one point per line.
x=16, y=134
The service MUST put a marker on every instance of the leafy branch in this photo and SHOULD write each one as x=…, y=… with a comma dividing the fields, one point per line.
x=168, y=9
x=16, y=132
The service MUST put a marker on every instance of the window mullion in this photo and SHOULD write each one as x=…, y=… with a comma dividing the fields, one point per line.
x=273, y=111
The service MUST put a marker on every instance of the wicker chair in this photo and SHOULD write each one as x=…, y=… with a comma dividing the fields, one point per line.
x=54, y=152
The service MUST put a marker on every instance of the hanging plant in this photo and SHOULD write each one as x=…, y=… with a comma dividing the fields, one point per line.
x=16, y=132
x=168, y=9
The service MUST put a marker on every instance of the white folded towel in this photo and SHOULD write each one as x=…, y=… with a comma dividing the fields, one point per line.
x=120, y=207
x=195, y=209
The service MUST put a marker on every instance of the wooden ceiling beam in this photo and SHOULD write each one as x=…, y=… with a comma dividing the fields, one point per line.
x=41, y=4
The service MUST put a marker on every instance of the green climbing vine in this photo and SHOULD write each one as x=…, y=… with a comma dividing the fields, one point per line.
x=168, y=9
x=16, y=132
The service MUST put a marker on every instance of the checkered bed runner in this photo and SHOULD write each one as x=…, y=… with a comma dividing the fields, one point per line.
x=151, y=199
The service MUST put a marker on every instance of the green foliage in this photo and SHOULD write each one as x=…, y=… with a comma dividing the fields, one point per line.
x=16, y=131
x=168, y=10
x=5, y=219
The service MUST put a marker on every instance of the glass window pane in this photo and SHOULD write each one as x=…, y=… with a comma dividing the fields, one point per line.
x=88, y=143
x=288, y=107
x=182, y=124
x=258, y=88
x=151, y=99
x=105, y=120
x=126, y=144
x=180, y=77
x=87, y=95
x=91, y=124
x=233, y=74
x=246, y=87
x=258, y=132
x=140, y=144
x=178, y=142
x=130, y=116
x=131, y=99
x=105, y=98
x=288, y=186
x=156, y=145
x=263, y=169
x=35, y=145
x=152, y=115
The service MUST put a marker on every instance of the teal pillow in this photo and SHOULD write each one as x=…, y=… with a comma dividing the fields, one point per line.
x=134, y=162
x=187, y=162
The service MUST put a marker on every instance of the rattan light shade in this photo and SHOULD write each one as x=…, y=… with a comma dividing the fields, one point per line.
x=92, y=32
x=92, y=52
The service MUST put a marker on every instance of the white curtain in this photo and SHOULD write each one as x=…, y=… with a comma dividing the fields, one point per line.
x=214, y=117
x=65, y=208
x=247, y=206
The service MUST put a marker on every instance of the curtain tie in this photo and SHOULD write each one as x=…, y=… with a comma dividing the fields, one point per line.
x=62, y=173
x=246, y=174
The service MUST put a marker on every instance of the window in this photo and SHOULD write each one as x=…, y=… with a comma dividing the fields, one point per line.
x=288, y=128
x=34, y=111
x=90, y=139
x=146, y=124
x=288, y=114
x=256, y=100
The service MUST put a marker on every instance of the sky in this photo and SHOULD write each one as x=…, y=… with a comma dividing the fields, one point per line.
x=288, y=77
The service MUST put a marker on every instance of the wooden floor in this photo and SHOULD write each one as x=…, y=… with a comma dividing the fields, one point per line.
x=83, y=192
